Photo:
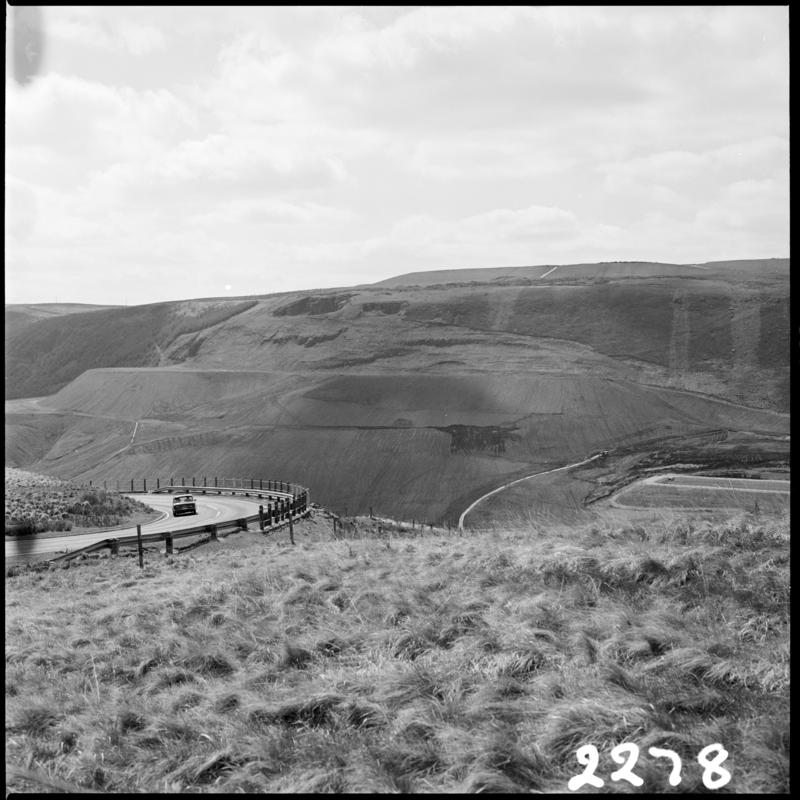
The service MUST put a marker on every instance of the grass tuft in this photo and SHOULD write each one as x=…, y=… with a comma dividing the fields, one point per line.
x=343, y=668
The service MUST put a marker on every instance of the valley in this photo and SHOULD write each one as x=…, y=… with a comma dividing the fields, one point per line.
x=411, y=396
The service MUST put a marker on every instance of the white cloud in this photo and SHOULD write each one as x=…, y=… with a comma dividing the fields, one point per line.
x=320, y=144
x=103, y=31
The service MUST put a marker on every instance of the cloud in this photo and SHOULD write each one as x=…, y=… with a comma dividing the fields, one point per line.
x=104, y=32
x=332, y=143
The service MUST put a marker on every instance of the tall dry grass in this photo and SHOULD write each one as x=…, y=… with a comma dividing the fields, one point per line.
x=468, y=663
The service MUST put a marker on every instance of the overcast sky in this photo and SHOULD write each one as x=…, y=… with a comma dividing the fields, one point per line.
x=171, y=153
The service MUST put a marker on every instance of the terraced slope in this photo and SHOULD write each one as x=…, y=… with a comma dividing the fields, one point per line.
x=411, y=400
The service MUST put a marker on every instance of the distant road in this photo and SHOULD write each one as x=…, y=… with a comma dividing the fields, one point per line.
x=211, y=510
x=519, y=480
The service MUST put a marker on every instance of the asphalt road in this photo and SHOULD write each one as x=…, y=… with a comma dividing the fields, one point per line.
x=210, y=510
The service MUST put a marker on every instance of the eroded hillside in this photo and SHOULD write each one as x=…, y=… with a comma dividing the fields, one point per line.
x=409, y=399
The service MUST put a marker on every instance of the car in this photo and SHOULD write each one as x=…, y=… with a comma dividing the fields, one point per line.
x=183, y=504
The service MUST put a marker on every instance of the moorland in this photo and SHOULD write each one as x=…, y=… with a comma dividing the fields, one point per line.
x=379, y=656
x=406, y=661
x=415, y=396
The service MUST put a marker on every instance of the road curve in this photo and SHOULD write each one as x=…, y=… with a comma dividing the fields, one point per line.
x=211, y=510
x=519, y=480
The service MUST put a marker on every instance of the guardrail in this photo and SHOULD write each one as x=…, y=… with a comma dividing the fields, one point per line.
x=290, y=503
x=145, y=485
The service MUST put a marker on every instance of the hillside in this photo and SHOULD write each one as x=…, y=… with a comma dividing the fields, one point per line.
x=405, y=663
x=20, y=315
x=412, y=400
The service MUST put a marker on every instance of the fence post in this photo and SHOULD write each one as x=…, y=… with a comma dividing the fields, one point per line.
x=90, y=483
x=260, y=484
x=214, y=532
x=261, y=518
x=117, y=485
x=158, y=483
x=168, y=540
x=114, y=547
x=215, y=481
x=145, y=484
x=139, y=541
x=291, y=529
x=131, y=484
x=193, y=483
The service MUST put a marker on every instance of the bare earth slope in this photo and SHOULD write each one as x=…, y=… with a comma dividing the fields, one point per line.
x=412, y=400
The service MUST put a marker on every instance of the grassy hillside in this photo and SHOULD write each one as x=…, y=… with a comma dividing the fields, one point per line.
x=412, y=446
x=43, y=356
x=411, y=400
x=38, y=503
x=405, y=663
x=20, y=315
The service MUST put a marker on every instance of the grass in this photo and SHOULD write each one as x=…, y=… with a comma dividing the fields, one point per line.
x=405, y=663
x=659, y=495
x=40, y=503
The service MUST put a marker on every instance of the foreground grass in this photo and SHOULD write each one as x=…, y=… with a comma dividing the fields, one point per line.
x=474, y=663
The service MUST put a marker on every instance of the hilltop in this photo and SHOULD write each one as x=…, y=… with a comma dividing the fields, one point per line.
x=412, y=399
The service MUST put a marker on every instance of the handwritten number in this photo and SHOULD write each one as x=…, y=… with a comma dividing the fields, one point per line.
x=589, y=756
x=626, y=772
x=712, y=766
x=675, y=773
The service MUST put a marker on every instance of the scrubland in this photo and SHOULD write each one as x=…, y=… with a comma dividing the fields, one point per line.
x=406, y=663
x=38, y=503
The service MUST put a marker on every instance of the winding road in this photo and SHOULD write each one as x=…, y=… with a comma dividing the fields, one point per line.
x=519, y=480
x=210, y=510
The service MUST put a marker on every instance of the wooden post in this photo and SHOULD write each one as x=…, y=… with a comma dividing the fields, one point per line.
x=215, y=481
x=168, y=540
x=242, y=523
x=145, y=485
x=139, y=540
x=158, y=483
x=370, y=512
x=214, y=532
x=291, y=529
x=345, y=510
x=260, y=483
x=193, y=483
x=261, y=518
x=131, y=484
x=333, y=520
x=251, y=483
x=114, y=547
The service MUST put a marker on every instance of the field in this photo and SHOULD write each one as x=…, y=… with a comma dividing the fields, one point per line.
x=404, y=662
x=40, y=503
x=697, y=492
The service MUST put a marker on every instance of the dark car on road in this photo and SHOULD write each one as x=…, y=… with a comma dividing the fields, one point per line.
x=183, y=504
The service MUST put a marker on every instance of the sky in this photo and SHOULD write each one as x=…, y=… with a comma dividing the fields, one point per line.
x=168, y=153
